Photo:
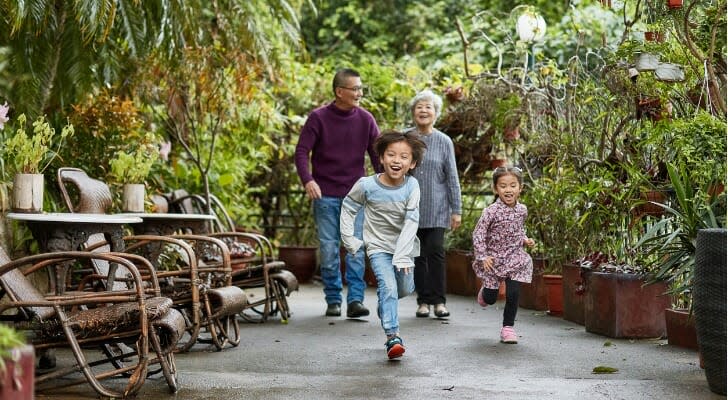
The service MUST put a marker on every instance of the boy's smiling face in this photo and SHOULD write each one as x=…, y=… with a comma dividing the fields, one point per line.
x=397, y=162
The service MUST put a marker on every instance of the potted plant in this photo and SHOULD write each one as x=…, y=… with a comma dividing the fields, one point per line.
x=460, y=278
x=17, y=365
x=552, y=222
x=668, y=246
x=29, y=156
x=131, y=169
x=507, y=116
x=298, y=240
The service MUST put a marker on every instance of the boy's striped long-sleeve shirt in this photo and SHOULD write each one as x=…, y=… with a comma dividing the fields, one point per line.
x=391, y=218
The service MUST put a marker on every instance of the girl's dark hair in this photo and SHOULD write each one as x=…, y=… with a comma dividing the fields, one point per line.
x=502, y=171
x=389, y=137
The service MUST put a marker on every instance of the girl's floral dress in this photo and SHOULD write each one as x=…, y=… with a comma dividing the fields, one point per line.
x=500, y=234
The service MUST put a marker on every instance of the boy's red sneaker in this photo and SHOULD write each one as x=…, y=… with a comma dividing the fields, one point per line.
x=395, y=347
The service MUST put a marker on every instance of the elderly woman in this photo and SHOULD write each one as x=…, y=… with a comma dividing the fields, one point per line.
x=440, y=204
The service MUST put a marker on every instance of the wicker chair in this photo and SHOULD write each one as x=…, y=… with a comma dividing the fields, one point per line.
x=253, y=261
x=202, y=293
x=93, y=321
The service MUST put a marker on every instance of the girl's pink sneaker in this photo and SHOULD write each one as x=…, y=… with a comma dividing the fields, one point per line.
x=508, y=335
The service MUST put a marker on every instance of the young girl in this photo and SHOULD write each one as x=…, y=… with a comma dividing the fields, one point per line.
x=391, y=216
x=498, y=241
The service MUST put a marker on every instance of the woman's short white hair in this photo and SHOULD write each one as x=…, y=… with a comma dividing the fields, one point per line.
x=427, y=95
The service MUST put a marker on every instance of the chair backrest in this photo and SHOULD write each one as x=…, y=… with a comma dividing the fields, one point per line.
x=94, y=196
x=19, y=288
x=180, y=201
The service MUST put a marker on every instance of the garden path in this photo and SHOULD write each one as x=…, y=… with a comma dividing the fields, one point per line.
x=314, y=357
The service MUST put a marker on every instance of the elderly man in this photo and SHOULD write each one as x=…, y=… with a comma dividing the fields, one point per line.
x=335, y=139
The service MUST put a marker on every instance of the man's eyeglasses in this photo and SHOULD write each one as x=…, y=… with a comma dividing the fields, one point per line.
x=508, y=169
x=355, y=88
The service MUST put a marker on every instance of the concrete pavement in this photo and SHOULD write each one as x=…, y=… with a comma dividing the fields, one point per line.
x=315, y=357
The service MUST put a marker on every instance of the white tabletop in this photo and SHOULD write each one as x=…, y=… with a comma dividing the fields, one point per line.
x=171, y=216
x=76, y=218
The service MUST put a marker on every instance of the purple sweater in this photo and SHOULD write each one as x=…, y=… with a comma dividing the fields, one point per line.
x=337, y=141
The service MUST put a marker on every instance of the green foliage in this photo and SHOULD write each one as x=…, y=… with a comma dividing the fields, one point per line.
x=696, y=144
x=668, y=246
x=462, y=238
x=9, y=340
x=60, y=52
x=508, y=113
x=553, y=217
x=106, y=124
x=135, y=166
x=33, y=154
x=603, y=369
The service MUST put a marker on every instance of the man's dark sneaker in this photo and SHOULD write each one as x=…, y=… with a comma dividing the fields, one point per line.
x=333, y=310
x=356, y=309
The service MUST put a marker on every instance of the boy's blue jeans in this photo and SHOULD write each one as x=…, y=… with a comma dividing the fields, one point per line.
x=392, y=285
x=327, y=211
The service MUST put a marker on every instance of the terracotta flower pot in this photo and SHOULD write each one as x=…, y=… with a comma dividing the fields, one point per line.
x=574, y=290
x=555, y=294
x=498, y=162
x=369, y=278
x=673, y=4
x=680, y=326
x=534, y=296
x=300, y=260
x=618, y=305
x=459, y=273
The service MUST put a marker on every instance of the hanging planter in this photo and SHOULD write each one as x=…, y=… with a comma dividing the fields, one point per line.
x=674, y=4
x=648, y=207
x=646, y=61
x=654, y=36
x=668, y=72
x=652, y=108
x=511, y=134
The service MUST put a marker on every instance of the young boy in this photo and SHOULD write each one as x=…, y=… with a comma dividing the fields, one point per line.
x=391, y=215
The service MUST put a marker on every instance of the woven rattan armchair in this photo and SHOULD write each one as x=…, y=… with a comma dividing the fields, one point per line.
x=90, y=323
x=202, y=293
x=252, y=256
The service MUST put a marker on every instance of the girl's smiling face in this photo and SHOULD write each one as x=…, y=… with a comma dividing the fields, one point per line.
x=397, y=162
x=508, y=189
